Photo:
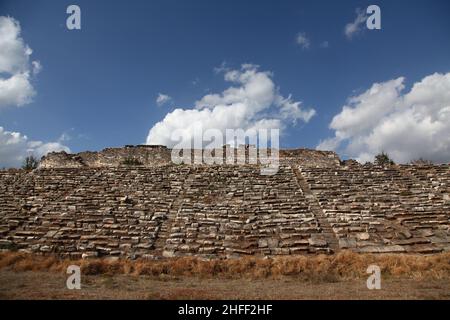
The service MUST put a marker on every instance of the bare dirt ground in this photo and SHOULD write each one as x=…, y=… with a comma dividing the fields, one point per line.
x=48, y=285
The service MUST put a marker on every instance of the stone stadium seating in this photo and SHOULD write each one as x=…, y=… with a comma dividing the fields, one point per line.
x=167, y=210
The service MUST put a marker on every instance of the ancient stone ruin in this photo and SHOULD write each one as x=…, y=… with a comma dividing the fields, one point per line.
x=95, y=204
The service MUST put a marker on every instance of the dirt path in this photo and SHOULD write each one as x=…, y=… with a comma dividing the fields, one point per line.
x=45, y=285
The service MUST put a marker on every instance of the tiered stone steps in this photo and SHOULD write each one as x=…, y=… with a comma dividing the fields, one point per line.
x=327, y=231
x=225, y=210
x=375, y=209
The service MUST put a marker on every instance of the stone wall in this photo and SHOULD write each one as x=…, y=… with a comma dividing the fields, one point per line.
x=149, y=156
x=310, y=158
x=224, y=210
x=110, y=157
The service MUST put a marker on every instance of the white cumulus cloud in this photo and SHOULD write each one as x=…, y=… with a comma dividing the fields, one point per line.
x=253, y=102
x=14, y=147
x=16, y=70
x=407, y=126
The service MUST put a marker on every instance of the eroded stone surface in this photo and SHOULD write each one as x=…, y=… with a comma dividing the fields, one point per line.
x=166, y=210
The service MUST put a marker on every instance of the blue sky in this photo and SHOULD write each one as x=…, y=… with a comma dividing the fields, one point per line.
x=98, y=85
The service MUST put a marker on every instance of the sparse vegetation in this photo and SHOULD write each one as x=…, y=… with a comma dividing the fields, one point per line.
x=30, y=163
x=340, y=276
x=421, y=162
x=131, y=161
x=383, y=159
x=321, y=268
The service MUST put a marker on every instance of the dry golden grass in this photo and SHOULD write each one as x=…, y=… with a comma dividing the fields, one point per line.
x=321, y=268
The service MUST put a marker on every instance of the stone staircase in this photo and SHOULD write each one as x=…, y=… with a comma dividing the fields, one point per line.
x=327, y=231
x=174, y=211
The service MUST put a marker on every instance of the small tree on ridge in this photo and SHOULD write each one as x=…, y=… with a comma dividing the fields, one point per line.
x=383, y=159
x=30, y=163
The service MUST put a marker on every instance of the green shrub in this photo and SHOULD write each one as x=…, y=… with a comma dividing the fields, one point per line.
x=382, y=159
x=30, y=163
